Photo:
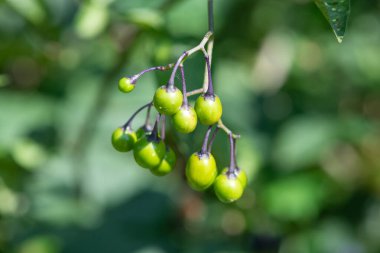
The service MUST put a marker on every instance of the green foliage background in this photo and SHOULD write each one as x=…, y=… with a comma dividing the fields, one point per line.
x=307, y=108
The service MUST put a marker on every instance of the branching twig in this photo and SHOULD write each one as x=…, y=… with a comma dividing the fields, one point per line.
x=195, y=92
x=227, y=130
x=187, y=53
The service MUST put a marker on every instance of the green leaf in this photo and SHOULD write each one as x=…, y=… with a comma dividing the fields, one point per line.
x=295, y=198
x=336, y=12
x=30, y=10
x=302, y=142
x=91, y=20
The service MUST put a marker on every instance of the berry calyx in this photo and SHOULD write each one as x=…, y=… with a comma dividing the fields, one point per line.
x=185, y=120
x=126, y=85
x=167, y=164
x=208, y=108
x=201, y=171
x=240, y=174
x=228, y=188
x=148, y=152
x=167, y=100
x=123, y=139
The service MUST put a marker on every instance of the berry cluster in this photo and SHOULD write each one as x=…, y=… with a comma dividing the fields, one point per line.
x=148, y=144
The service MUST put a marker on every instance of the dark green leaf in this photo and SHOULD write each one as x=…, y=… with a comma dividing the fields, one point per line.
x=336, y=12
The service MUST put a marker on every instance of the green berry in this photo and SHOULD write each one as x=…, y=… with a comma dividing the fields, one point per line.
x=185, y=120
x=123, y=140
x=149, y=153
x=143, y=131
x=201, y=171
x=240, y=174
x=167, y=164
x=228, y=188
x=168, y=100
x=126, y=85
x=209, y=109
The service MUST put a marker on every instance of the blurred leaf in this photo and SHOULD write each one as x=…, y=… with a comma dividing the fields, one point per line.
x=29, y=154
x=296, y=244
x=40, y=244
x=327, y=236
x=241, y=76
x=60, y=210
x=31, y=10
x=150, y=250
x=132, y=4
x=9, y=23
x=297, y=198
x=146, y=18
x=336, y=12
x=59, y=10
x=12, y=174
x=302, y=141
x=335, y=236
x=4, y=80
x=21, y=118
x=249, y=156
x=354, y=128
x=187, y=18
x=8, y=200
x=91, y=20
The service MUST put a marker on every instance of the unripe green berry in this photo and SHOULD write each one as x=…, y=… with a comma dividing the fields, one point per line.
x=149, y=153
x=209, y=109
x=228, y=188
x=240, y=174
x=185, y=120
x=123, y=140
x=167, y=164
x=126, y=85
x=167, y=100
x=201, y=171
x=143, y=131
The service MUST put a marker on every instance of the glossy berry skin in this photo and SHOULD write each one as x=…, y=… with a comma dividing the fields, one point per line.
x=228, y=188
x=143, y=131
x=126, y=85
x=209, y=109
x=185, y=120
x=167, y=100
x=240, y=174
x=201, y=171
x=123, y=140
x=149, y=154
x=167, y=164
